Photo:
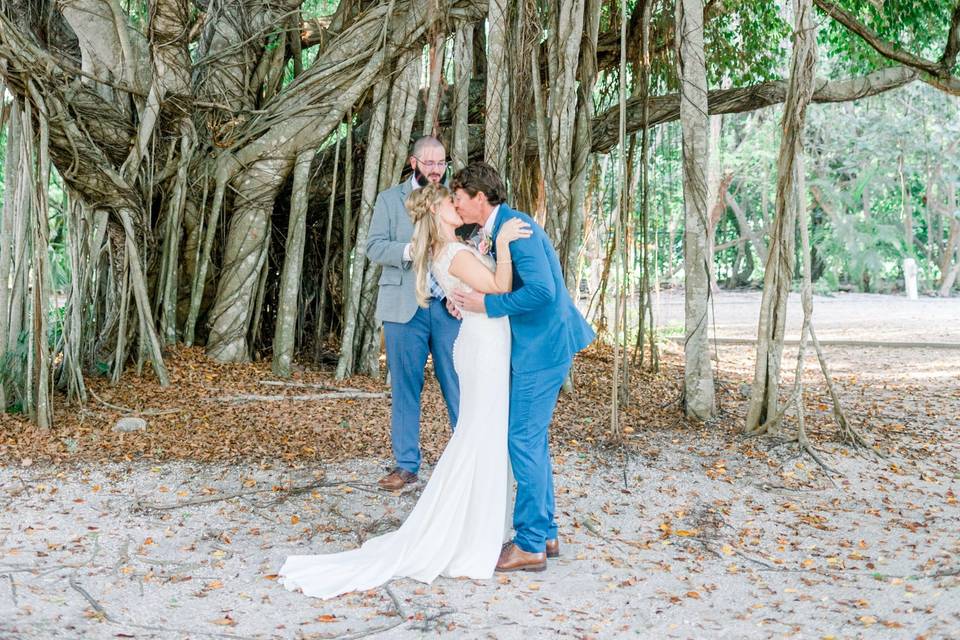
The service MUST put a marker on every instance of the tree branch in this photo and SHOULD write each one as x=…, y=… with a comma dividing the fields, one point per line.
x=949, y=58
x=883, y=47
x=667, y=108
x=939, y=74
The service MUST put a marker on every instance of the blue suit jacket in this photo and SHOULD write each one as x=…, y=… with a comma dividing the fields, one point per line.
x=546, y=327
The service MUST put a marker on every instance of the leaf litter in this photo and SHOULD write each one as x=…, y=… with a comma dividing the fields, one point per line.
x=681, y=530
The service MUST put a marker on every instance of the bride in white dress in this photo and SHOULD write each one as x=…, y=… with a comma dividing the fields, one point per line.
x=460, y=521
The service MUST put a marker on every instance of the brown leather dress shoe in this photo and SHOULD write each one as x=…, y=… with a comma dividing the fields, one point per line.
x=397, y=479
x=513, y=558
x=553, y=548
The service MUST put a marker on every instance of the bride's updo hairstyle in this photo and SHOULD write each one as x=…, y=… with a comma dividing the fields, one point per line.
x=422, y=204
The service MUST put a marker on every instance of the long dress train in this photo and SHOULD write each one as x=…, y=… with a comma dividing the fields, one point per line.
x=459, y=523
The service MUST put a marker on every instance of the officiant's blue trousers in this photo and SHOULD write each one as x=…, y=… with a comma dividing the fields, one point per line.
x=533, y=397
x=430, y=331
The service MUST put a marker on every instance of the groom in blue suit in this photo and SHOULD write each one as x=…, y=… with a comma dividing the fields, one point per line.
x=547, y=331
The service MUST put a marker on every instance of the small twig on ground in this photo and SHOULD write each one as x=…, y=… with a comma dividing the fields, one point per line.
x=370, y=632
x=396, y=601
x=285, y=493
x=308, y=385
x=13, y=588
x=422, y=625
x=402, y=619
x=139, y=412
x=775, y=488
x=589, y=526
x=11, y=569
x=379, y=492
x=253, y=397
x=104, y=615
x=941, y=574
x=93, y=602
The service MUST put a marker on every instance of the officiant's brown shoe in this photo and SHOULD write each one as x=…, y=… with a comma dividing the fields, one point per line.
x=513, y=558
x=553, y=548
x=397, y=479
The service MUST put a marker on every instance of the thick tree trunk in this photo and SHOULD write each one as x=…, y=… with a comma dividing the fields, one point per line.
x=430, y=119
x=40, y=402
x=463, y=51
x=698, y=374
x=498, y=87
x=284, y=333
x=248, y=240
x=716, y=185
x=582, y=143
x=361, y=275
x=563, y=49
x=778, y=270
x=12, y=203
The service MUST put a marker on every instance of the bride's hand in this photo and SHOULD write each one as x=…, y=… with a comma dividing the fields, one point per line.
x=513, y=229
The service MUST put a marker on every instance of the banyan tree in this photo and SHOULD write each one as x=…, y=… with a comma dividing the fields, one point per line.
x=217, y=160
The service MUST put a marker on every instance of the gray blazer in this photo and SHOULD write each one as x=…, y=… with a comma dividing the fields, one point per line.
x=390, y=231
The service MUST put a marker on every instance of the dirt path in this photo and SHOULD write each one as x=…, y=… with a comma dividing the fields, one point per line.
x=854, y=316
x=685, y=542
x=697, y=533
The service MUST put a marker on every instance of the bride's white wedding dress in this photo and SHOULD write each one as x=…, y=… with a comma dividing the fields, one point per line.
x=460, y=521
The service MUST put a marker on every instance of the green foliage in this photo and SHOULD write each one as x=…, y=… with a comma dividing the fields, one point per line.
x=13, y=363
x=13, y=366
x=318, y=8
x=852, y=158
x=915, y=26
x=745, y=43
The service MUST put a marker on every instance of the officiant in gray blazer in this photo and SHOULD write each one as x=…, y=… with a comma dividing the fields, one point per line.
x=410, y=332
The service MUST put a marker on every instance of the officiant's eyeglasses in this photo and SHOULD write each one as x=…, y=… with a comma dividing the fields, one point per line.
x=431, y=164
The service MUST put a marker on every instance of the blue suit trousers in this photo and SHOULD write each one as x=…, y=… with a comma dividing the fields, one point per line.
x=533, y=397
x=430, y=331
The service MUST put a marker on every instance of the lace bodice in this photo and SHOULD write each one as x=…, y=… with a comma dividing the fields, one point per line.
x=440, y=268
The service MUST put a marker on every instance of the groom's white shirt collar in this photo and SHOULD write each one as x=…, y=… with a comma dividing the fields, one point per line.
x=491, y=221
x=413, y=183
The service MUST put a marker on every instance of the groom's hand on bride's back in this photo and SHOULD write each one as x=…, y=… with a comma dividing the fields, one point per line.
x=471, y=301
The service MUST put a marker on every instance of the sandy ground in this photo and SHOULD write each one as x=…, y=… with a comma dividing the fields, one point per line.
x=697, y=533
x=850, y=316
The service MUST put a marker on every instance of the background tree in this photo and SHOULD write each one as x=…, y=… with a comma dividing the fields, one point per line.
x=163, y=157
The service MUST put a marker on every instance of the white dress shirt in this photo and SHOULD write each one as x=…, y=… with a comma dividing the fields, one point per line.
x=491, y=221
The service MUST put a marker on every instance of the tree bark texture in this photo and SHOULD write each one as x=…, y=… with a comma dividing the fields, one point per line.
x=698, y=373
x=176, y=140
x=790, y=199
x=498, y=86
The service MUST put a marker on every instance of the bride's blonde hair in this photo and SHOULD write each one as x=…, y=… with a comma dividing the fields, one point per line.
x=422, y=205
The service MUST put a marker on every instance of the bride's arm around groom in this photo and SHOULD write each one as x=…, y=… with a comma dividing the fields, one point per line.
x=547, y=327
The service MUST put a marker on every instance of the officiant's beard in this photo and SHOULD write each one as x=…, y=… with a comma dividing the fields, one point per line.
x=422, y=179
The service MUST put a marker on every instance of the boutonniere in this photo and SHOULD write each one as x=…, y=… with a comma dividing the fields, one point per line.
x=482, y=242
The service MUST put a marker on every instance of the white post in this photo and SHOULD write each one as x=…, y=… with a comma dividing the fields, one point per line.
x=910, y=277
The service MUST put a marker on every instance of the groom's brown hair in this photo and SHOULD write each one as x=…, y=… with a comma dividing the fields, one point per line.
x=479, y=177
